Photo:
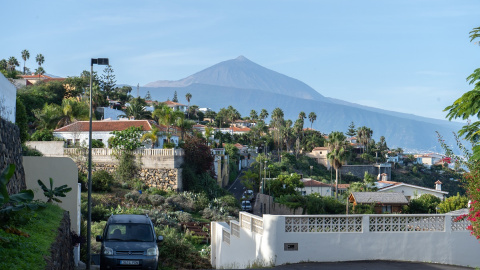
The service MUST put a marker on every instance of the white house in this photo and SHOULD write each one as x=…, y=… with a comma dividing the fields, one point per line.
x=429, y=159
x=320, y=155
x=176, y=106
x=233, y=130
x=314, y=186
x=411, y=191
x=101, y=130
x=8, y=97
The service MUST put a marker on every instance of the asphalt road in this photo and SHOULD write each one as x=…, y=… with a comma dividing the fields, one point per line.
x=370, y=265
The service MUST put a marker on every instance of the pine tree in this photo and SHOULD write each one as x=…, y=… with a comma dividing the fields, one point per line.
x=175, y=99
x=351, y=130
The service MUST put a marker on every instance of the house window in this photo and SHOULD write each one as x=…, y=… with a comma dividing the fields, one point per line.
x=304, y=193
x=387, y=209
x=101, y=140
x=69, y=141
x=77, y=142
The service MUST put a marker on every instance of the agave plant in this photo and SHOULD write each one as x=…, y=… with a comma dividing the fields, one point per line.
x=51, y=192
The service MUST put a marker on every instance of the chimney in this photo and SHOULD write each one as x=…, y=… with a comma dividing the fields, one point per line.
x=438, y=185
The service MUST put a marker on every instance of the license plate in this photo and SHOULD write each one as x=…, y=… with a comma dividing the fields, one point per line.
x=125, y=262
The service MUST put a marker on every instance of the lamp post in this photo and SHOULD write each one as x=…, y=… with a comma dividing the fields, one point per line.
x=264, y=175
x=98, y=61
x=311, y=183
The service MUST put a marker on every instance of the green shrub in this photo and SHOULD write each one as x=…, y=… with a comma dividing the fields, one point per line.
x=97, y=144
x=101, y=181
x=127, y=167
x=42, y=135
x=27, y=151
x=453, y=203
x=156, y=199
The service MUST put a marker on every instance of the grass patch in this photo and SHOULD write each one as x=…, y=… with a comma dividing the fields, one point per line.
x=19, y=252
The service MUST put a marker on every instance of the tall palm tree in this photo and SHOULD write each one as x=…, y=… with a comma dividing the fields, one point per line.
x=188, y=96
x=312, y=117
x=40, y=59
x=25, y=57
x=336, y=153
x=302, y=115
x=253, y=115
x=277, y=122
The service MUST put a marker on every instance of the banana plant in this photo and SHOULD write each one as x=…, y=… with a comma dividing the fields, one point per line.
x=14, y=202
x=51, y=192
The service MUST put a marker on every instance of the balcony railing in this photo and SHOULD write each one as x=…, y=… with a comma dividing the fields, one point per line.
x=108, y=152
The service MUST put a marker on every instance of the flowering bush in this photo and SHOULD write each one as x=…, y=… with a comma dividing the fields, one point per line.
x=472, y=184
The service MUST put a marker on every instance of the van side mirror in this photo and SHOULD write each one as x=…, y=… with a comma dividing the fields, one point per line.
x=99, y=238
x=159, y=239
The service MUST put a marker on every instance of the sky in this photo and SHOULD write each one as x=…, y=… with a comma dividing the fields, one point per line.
x=410, y=56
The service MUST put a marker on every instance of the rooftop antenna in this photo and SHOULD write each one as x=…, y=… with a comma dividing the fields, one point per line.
x=138, y=90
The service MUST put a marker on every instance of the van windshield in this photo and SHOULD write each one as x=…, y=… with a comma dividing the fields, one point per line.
x=129, y=232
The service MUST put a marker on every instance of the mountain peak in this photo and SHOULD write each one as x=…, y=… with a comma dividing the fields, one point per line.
x=242, y=73
x=241, y=58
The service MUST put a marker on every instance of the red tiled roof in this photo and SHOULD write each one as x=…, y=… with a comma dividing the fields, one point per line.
x=107, y=125
x=315, y=183
x=319, y=148
x=169, y=102
x=237, y=129
x=343, y=186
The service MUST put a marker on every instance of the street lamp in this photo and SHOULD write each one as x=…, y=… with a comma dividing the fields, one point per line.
x=311, y=183
x=98, y=61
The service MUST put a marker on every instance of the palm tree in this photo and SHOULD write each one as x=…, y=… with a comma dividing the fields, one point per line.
x=40, y=59
x=48, y=116
x=39, y=71
x=336, y=153
x=263, y=114
x=364, y=135
x=302, y=115
x=184, y=125
x=188, y=96
x=137, y=110
x=151, y=136
x=12, y=63
x=73, y=111
x=312, y=117
x=25, y=57
x=253, y=115
x=277, y=122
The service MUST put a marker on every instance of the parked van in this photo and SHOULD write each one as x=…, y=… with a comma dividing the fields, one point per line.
x=129, y=241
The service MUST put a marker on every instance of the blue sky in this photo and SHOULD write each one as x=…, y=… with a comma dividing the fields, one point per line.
x=406, y=56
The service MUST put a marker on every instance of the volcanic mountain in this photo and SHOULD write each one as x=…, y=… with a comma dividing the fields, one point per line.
x=248, y=86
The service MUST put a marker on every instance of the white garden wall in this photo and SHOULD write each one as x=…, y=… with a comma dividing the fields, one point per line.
x=277, y=240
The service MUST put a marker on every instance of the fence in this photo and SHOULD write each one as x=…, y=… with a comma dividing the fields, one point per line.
x=274, y=240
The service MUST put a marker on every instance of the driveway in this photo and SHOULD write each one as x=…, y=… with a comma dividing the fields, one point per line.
x=370, y=265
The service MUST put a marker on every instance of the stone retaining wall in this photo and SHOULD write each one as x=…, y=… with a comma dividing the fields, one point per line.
x=161, y=178
x=11, y=153
x=61, y=251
